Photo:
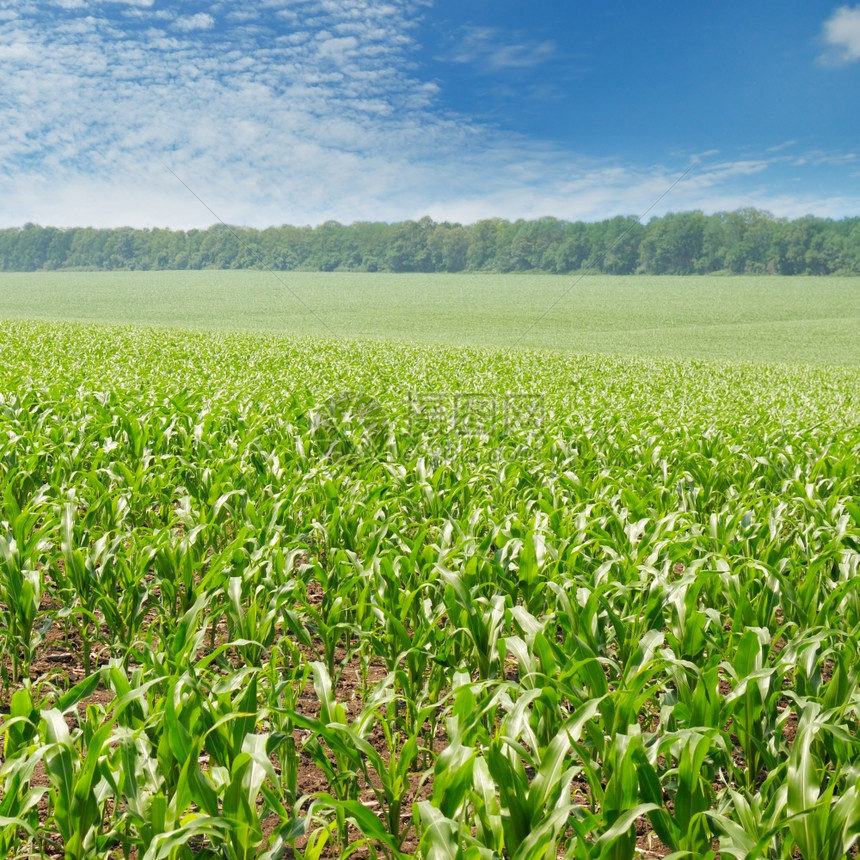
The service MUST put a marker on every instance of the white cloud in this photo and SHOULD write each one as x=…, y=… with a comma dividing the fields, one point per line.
x=743, y=167
x=271, y=123
x=842, y=35
x=200, y=21
x=15, y=51
x=487, y=49
x=780, y=146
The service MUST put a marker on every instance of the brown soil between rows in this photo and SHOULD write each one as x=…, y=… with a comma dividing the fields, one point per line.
x=59, y=662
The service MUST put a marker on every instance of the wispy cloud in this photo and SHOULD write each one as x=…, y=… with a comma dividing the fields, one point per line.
x=781, y=146
x=841, y=34
x=488, y=49
x=145, y=4
x=260, y=120
x=322, y=117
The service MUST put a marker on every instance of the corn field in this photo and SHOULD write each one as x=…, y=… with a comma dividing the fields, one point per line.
x=269, y=598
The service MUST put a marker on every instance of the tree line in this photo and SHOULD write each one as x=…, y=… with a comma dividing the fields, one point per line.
x=748, y=241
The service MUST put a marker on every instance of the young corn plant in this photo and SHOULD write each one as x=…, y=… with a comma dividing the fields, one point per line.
x=22, y=551
x=533, y=812
x=19, y=813
x=343, y=773
x=688, y=783
x=83, y=779
x=20, y=598
x=388, y=776
x=751, y=705
x=606, y=829
x=81, y=575
x=823, y=802
x=476, y=622
x=253, y=618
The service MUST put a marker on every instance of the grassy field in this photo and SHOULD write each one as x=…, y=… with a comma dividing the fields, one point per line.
x=804, y=320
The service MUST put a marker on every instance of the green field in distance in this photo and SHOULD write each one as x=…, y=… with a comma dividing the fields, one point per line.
x=799, y=320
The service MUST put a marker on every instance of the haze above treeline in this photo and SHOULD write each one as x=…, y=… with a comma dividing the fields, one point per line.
x=747, y=241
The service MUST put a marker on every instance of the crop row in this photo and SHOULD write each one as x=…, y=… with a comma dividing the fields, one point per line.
x=259, y=601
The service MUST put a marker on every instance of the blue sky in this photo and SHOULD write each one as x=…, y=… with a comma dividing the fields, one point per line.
x=300, y=111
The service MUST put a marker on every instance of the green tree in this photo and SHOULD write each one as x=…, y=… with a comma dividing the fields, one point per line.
x=673, y=244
